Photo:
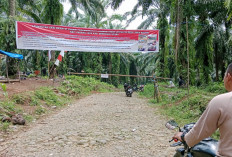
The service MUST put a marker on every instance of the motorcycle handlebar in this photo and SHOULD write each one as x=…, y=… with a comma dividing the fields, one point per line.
x=175, y=139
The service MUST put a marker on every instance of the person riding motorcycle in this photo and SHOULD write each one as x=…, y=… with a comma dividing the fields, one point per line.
x=218, y=114
x=126, y=86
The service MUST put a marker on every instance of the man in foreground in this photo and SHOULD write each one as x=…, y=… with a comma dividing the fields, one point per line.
x=218, y=114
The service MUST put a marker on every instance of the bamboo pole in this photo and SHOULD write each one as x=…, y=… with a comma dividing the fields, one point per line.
x=119, y=75
x=11, y=80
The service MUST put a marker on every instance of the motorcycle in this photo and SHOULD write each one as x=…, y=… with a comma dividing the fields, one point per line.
x=141, y=88
x=205, y=148
x=129, y=91
x=135, y=88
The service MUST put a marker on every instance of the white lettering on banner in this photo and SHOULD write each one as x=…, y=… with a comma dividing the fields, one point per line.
x=104, y=76
x=52, y=37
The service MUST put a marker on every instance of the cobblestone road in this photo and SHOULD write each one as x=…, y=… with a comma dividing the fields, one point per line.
x=100, y=125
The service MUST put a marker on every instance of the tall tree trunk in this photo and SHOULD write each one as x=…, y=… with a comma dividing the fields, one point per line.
x=12, y=7
x=162, y=26
x=216, y=62
x=178, y=20
x=98, y=66
x=52, y=17
x=11, y=62
x=115, y=68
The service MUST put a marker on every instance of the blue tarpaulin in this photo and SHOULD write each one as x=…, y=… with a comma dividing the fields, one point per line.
x=13, y=55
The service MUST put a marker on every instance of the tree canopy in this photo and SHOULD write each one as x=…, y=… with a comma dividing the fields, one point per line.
x=194, y=32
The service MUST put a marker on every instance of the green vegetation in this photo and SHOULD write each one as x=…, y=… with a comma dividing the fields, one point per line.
x=176, y=104
x=192, y=32
x=207, y=24
x=28, y=118
x=3, y=86
x=43, y=99
x=40, y=110
x=74, y=85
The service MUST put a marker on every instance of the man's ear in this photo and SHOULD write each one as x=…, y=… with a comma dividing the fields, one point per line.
x=229, y=77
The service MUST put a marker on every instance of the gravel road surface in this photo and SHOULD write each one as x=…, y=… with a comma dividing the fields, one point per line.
x=99, y=125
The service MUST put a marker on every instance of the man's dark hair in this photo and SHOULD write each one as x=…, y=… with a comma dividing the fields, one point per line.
x=229, y=69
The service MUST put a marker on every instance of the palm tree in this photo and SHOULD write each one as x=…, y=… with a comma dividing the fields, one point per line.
x=96, y=62
x=45, y=11
x=152, y=10
x=53, y=12
x=219, y=25
x=7, y=31
x=156, y=13
x=219, y=47
x=92, y=7
x=12, y=7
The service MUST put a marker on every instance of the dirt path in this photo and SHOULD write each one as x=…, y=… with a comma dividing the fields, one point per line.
x=100, y=125
x=30, y=84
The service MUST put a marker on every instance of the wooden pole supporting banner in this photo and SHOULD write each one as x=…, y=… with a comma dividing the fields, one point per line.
x=7, y=75
x=19, y=72
x=48, y=69
x=156, y=90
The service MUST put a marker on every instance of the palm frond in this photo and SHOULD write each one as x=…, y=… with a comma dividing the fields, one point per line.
x=115, y=4
x=34, y=16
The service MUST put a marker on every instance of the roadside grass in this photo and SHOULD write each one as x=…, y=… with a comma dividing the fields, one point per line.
x=176, y=104
x=79, y=86
x=4, y=126
x=46, y=99
x=49, y=97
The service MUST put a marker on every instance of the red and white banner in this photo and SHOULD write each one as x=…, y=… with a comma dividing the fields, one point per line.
x=59, y=58
x=53, y=37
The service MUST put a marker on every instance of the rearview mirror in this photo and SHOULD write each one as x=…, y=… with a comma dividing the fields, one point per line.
x=171, y=125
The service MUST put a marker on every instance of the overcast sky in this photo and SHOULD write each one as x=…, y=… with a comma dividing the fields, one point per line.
x=127, y=5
